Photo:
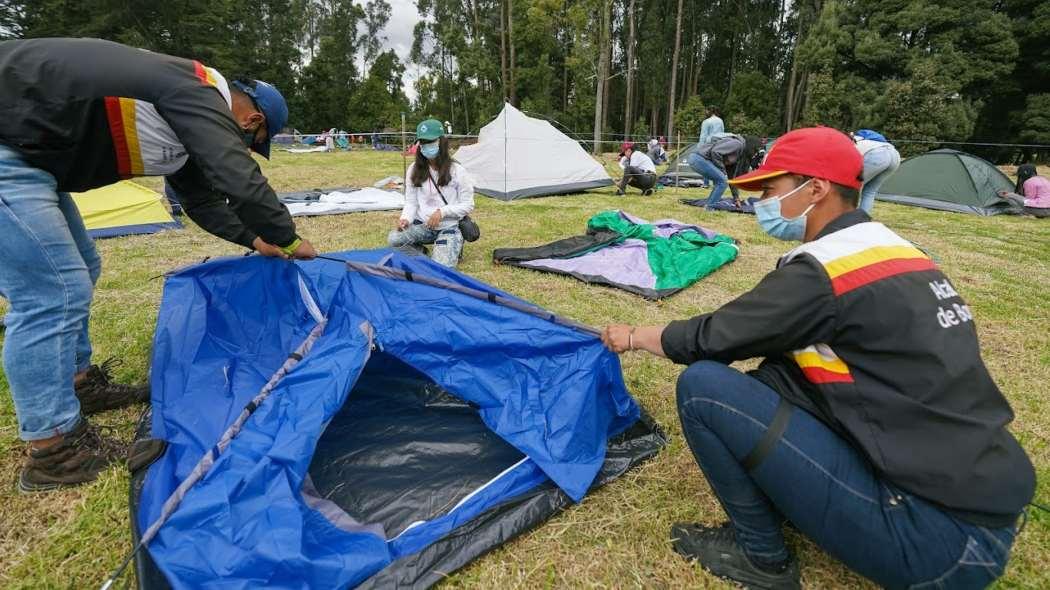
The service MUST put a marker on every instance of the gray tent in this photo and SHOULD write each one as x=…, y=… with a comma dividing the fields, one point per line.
x=948, y=180
x=678, y=172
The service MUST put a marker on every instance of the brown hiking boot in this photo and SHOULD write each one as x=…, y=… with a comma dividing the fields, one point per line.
x=98, y=393
x=81, y=455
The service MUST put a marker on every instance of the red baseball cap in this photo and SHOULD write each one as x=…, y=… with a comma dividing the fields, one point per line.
x=819, y=152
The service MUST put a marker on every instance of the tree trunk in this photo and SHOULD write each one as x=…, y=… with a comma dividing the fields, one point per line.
x=603, y=74
x=732, y=61
x=789, y=103
x=674, y=69
x=627, y=118
x=689, y=70
x=802, y=95
x=474, y=12
x=607, y=92
x=504, y=78
x=510, y=41
x=565, y=88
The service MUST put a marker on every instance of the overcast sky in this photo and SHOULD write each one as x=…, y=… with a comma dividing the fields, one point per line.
x=403, y=18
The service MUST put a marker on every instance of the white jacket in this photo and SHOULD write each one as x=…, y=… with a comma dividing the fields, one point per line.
x=422, y=201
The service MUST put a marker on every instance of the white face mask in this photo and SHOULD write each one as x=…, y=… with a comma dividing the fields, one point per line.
x=775, y=224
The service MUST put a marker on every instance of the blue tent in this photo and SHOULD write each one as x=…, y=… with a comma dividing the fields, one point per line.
x=379, y=421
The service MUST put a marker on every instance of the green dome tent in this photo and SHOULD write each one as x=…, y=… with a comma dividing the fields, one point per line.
x=948, y=180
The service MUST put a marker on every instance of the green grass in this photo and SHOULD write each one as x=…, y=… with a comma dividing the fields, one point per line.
x=617, y=537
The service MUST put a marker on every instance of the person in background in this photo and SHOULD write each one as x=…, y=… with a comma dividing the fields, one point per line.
x=639, y=170
x=881, y=160
x=448, y=128
x=89, y=113
x=656, y=152
x=438, y=193
x=713, y=160
x=709, y=128
x=876, y=430
x=1032, y=193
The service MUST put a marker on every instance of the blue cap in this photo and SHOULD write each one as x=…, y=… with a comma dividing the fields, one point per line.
x=273, y=107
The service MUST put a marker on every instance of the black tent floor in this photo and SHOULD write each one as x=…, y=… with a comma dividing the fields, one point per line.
x=402, y=450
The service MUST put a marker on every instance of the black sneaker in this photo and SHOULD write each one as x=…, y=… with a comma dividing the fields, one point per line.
x=78, y=458
x=619, y=193
x=98, y=393
x=647, y=192
x=717, y=551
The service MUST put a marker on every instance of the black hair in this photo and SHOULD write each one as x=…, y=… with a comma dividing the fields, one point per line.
x=1024, y=172
x=443, y=163
x=848, y=194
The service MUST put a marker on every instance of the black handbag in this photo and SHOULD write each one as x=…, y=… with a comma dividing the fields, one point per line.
x=468, y=228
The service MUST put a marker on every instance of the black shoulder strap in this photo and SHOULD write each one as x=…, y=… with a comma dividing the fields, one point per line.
x=436, y=187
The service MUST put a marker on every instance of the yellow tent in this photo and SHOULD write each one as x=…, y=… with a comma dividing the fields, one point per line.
x=123, y=209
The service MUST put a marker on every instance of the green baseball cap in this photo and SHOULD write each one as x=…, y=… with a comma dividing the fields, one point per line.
x=429, y=130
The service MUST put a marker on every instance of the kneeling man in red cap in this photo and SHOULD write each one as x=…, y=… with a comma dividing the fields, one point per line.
x=872, y=425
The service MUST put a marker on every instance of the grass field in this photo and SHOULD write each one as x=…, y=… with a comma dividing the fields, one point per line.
x=617, y=537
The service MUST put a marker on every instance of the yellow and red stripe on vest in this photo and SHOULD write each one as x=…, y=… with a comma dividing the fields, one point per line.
x=821, y=365
x=123, y=125
x=873, y=264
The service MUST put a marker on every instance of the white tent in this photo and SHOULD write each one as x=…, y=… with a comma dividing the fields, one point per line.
x=517, y=156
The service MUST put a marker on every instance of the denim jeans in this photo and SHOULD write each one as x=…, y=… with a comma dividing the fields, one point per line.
x=448, y=242
x=827, y=489
x=879, y=164
x=709, y=171
x=47, y=274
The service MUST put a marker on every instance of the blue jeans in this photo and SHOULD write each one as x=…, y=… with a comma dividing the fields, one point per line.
x=47, y=274
x=827, y=489
x=879, y=164
x=448, y=242
x=709, y=171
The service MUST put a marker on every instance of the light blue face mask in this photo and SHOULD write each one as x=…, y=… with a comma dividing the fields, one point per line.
x=429, y=150
x=773, y=223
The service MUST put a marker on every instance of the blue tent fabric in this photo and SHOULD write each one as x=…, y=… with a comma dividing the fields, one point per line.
x=225, y=327
x=133, y=230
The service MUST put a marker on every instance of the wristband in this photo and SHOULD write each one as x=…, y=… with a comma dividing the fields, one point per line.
x=630, y=338
x=290, y=248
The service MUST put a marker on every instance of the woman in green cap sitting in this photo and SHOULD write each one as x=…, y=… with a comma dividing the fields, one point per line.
x=438, y=193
